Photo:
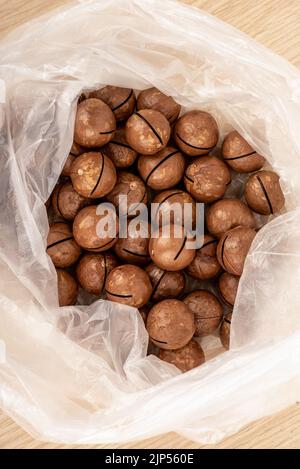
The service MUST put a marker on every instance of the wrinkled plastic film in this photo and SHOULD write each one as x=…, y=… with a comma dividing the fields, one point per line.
x=95, y=383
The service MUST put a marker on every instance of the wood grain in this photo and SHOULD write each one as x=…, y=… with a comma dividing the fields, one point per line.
x=275, y=23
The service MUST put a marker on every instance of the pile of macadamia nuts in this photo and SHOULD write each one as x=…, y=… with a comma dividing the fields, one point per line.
x=142, y=148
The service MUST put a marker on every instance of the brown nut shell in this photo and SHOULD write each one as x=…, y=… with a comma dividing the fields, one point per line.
x=93, y=269
x=170, y=252
x=228, y=286
x=196, y=133
x=133, y=187
x=119, y=151
x=61, y=246
x=233, y=248
x=170, y=324
x=134, y=249
x=95, y=123
x=66, y=202
x=165, y=284
x=67, y=288
x=225, y=331
x=169, y=202
x=77, y=150
x=66, y=171
x=144, y=313
x=226, y=214
x=120, y=100
x=207, y=309
x=263, y=193
x=186, y=358
x=207, y=178
x=205, y=265
x=93, y=175
x=128, y=284
x=152, y=98
x=239, y=155
x=148, y=131
x=163, y=170
x=87, y=232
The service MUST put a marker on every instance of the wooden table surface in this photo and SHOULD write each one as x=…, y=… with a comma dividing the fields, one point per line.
x=275, y=23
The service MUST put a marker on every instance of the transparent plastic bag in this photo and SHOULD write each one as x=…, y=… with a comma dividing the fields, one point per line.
x=95, y=383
